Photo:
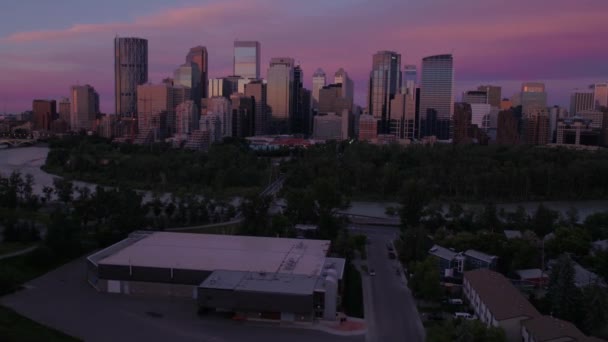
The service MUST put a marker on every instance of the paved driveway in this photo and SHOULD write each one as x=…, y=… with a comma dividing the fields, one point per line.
x=63, y=300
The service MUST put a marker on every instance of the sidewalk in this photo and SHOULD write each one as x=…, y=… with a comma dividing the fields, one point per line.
x=18, y=253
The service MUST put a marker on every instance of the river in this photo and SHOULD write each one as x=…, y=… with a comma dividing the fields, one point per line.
x=29, y=159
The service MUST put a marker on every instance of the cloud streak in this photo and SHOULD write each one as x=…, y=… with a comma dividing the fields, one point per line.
x=552, y=39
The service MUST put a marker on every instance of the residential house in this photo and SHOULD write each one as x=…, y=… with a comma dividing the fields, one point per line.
x=451, y=263
x=496, y=302
x=476, y=260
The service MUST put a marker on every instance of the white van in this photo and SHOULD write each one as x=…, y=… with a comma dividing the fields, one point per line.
x=463, y=315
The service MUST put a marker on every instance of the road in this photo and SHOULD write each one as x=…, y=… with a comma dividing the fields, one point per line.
x=390, y=309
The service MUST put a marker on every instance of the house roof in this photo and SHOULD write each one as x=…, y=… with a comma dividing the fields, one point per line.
x=480, y=255
x=500, y=296
x=547, y=328
x=512, y=234
x=442, y=252
x=600, y=245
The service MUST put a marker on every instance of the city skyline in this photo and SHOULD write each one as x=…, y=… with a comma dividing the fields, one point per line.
x=43, y=58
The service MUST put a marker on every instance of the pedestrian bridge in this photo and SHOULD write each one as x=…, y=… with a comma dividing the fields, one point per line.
x=14, y=142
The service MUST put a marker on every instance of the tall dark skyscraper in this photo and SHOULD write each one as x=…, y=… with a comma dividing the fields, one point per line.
x=130, y=70
x=247, y=59
x=384, y=84
x=198, y=55
x=257, y=91
x=437, y=92
x=300, y=112
x=280, y=93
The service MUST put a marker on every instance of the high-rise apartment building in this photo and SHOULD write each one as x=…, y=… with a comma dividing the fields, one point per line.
x=319, y=81
x=257, y=90
x=494, y=94
x=462, y=123
x=84, y=107
x=403, y=116
x=44, y=112
x=348, y=86
x=280, y=95
x=130, y=70
x=533, y=97
x=580, y=101
x=332, y=100
x=247, y=59
x=198, y=55
x=437, y=93
x=384, y=84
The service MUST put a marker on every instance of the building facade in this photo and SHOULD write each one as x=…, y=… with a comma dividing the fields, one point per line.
x=437, y=93
x=580, y=101
x=247, y=59
x=189, y=75
x=475, y=97
x=462, y=123
x=44, y=112
x=533, y=97
x=187, y=118
x=84, y=107
x=243, y=115
x=384, y=84
x=494, y=94
x=600, y=95
x=536, y=127
x=368, y=128
x=348, y=86
x=130, y=70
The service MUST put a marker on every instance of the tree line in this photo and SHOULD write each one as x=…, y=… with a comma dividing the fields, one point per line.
x=467, y=173
x=226, y=166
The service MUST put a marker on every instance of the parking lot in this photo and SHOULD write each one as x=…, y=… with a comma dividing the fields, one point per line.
x=63, y=300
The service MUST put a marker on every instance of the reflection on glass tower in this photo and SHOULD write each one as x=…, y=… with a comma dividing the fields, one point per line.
x=384, y=84
x=247, y=59
x=437, y=95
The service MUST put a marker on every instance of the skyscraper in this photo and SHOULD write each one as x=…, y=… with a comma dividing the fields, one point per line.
x=536, y=126
x=437, y=92
x=187, y=118
x=580, y=101
x=348, y=87
x=494, y=94
x=462, y=123
x=219, y=87
x=243, y=115
x=318, y=81
x=188, y=75
x=257, y=91
x=601, y=94
x=85, y=106
x=44, y=112
x=410, y=78
x=384, y=84
x=280, y=93
x=64, y=110
x=198, y=55
x=130, y=70
x=533, y=97
x=507, y=132
x=300, y=113
x=247, y=59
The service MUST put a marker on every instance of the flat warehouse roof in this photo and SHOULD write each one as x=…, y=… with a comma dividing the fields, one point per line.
x=294, y=284
x=208, y=252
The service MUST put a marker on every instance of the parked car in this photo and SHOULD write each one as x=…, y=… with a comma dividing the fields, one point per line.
x=455, y=301
x=464, y=315
x=372, y=272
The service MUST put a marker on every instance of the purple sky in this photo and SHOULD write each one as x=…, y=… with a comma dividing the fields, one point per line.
x=47, y=46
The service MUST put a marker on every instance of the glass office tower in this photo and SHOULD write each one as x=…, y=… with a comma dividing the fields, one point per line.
x=247, y=59
x=130, y=70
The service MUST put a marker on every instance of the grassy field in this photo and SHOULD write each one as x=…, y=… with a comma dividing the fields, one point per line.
x=14, y=327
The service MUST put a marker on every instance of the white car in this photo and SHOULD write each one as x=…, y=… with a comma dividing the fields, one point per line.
x=372, y=272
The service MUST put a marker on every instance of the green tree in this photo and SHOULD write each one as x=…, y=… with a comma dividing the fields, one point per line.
x=63, y=235
x=425, y=281
x=415, y=197
x=563, y=295
x=544, y=220
x=595, y=308
x=255, y=215
x=572, y=240
x=64, y=189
